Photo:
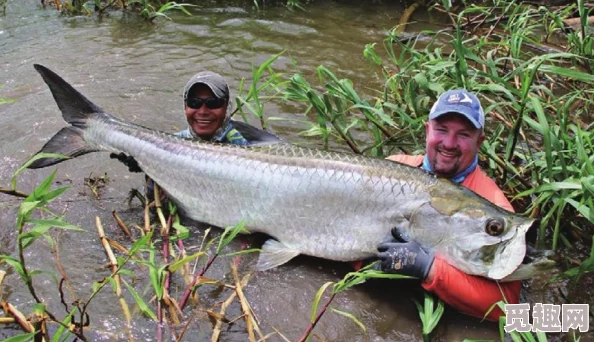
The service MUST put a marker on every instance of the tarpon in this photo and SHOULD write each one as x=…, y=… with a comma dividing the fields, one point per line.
x=331, y=205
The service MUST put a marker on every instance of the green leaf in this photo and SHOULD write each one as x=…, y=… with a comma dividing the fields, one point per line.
x=97, y=285
x=25, y=210
x=56, y=223
x=51, y=195
x=16, y=264
x=22, y=338
x=181, y=231
x=242, y=252
x=42, y=188
x=568, y=73
x=176, y=265
x=141, y=303
x=61, y=328
x=352, y=318
x=41, y=227
x=30, y=237
x=229, y=234
x=140, y=243
x=30, y=161
x=583, y=209
x=570, y=184
x=316, y=302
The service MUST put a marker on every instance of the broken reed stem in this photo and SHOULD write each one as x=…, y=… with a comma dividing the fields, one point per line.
x=147, y=205
x=159, y=322
x=250, y=321
x=4, y=320
x=13, y=192
x=405, y=17
x=22, y=321
x=313, y=324
x=159, y=209
x=2, y=274
x=121, y=224
x=165, y=228
x=113, y=264
x=217, y=329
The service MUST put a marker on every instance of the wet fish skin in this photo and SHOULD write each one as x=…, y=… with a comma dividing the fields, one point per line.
x=331, y=205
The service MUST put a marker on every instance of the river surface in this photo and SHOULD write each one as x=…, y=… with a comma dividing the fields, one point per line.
x=137, y=71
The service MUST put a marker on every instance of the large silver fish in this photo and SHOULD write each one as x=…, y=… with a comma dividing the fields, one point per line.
x=330, y=205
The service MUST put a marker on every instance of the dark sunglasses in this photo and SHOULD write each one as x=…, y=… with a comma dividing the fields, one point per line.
x=211, y=102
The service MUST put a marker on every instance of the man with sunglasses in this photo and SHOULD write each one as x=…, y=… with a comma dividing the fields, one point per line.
x=207, y=109
x=206, y=105
x=208, y=113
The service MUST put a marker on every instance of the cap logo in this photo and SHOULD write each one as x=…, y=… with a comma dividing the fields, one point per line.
x=455, y=98
x=466, y=99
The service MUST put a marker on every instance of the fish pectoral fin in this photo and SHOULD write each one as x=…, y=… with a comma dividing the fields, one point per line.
x=274, y=254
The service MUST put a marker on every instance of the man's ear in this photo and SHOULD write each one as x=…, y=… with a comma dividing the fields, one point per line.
x=481, y=138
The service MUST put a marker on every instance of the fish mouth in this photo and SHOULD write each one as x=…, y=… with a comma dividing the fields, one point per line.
x=511, y=254
x=540, y=262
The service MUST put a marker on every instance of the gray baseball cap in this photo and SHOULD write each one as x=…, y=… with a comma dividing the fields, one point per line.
x=214, y=81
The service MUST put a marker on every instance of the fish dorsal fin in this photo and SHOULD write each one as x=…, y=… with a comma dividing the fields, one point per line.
x=75, y=107
x=274, y=254
x=256, y=137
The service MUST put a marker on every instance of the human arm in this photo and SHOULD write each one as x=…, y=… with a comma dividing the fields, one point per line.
x=470, y=294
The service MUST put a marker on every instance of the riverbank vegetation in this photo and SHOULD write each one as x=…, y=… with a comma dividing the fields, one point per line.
x=534, y=75
x=148, y=9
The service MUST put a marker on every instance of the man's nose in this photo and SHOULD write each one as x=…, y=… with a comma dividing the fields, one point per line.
x=450, y=141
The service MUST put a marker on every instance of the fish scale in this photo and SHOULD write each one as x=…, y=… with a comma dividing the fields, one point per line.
x=331, y=205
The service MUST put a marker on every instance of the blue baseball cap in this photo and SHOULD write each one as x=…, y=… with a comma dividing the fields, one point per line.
x=461, y=102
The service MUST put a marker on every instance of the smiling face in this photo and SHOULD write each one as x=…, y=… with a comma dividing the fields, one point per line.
x=452, y=144
x=204, y=121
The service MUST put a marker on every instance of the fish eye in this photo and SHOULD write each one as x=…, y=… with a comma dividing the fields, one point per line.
x=495, y=227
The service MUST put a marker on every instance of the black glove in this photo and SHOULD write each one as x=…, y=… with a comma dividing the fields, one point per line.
x=404, y=256
x=127, y=160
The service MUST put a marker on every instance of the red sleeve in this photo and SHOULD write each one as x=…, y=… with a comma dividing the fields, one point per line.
x=470, y=294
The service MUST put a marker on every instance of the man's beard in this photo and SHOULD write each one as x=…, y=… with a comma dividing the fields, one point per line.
x=449, y=172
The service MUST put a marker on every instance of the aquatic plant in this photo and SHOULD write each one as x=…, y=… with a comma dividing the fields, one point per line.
x=139, y=258
x=537, y=147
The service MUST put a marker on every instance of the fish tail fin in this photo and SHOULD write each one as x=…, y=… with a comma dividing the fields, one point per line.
x=68, y=141
x=76, y=110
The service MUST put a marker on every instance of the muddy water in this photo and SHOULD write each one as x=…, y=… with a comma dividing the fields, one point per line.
x=137, y=71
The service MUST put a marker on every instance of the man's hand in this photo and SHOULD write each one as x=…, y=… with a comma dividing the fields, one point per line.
x=404, y=256
x=127, y=160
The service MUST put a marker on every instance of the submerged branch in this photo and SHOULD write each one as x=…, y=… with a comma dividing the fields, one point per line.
x=13, y=192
